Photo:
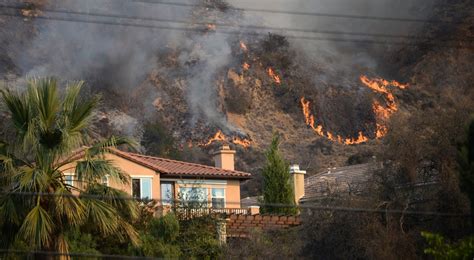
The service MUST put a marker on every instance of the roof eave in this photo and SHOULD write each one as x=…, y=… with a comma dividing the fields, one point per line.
x=188, y=176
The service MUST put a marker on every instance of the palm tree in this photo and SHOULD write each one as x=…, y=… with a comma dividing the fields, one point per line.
x=37, y=205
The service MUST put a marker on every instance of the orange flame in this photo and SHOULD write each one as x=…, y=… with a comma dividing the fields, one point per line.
x=242, y=142
x=243, y=46
x=380, y=131
x=220, y=137
x=382, y=113
x=309, y=119
x=246, y=66
x=272, y=74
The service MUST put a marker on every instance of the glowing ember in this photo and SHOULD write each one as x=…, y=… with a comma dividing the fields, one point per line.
x=30, y=12
x=274, y=76
x=211, y=27
x=243, y=46
x=220, y=137
x=245, y=66
x=309, y=119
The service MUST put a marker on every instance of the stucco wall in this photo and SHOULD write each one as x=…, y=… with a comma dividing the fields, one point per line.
x=232, y=187
x=233, y=194
x=298, y=186
x=134, y=170
x=128, y=167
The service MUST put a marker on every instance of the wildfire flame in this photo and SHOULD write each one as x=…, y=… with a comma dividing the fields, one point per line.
x=220, y=137
x=243, y=46
x=274, y=76
x=380, y=131
x=382, y=113
x=246, y=66
x=309, y=119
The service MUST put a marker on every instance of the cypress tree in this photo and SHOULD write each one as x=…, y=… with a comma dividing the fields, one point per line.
x=277, y=184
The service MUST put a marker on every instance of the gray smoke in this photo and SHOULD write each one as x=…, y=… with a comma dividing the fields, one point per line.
x=120, y=57
x=343, y=55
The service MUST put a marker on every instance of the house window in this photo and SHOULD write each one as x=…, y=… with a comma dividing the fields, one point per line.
x=193, y=197
x=167, y=193
x=218, y=198
x=141, y=188
x=69, y=179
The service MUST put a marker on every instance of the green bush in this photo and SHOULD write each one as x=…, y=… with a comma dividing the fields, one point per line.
x=165, y=228
x=440, y=249
x=198, y=239
x=81, y=243
x=158, y=141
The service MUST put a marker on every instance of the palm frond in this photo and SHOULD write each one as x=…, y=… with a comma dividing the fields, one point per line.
x=131, y=232
x=31, y=179
x=103, y=215
x=37, y=227
x=78, y=112
x=8, y=209
x=94, y=169
x=44, y=95
x=104, y=146
x=76, y=116
x=21, y=115
x=117, y=198
x=63, y=247
x=69, y=206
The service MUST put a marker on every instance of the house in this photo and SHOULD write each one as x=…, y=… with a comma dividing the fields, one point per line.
x=333, y=182
x=166, y=180
x=337, y=182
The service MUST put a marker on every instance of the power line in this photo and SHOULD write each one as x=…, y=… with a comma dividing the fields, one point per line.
x=278, y=205
x=127, y=24
x=256, y=27
x=348, y=16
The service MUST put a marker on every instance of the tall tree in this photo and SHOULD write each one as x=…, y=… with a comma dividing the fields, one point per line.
x=37, y=205
x=277, y=186
x=466, y=167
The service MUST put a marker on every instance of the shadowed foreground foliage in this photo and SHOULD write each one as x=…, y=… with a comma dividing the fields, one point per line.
x=49, y=129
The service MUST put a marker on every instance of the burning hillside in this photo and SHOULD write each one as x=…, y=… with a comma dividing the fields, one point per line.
x=382, y=112
x=220, y=75
x=222, y=138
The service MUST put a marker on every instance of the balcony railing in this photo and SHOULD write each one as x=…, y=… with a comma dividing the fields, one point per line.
x=188, y=213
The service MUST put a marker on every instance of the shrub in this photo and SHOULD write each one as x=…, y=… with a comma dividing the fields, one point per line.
x=440, y=249
x=158, y=141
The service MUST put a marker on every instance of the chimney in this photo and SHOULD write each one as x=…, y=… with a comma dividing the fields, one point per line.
x=224, y=158
x=298, y=181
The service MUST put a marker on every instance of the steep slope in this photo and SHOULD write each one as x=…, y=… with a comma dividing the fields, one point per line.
x=214, y=82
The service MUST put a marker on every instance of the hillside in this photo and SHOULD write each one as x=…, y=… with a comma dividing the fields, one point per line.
x=332, y=104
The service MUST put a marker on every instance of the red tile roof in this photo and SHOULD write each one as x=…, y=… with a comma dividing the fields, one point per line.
x=173, y=168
